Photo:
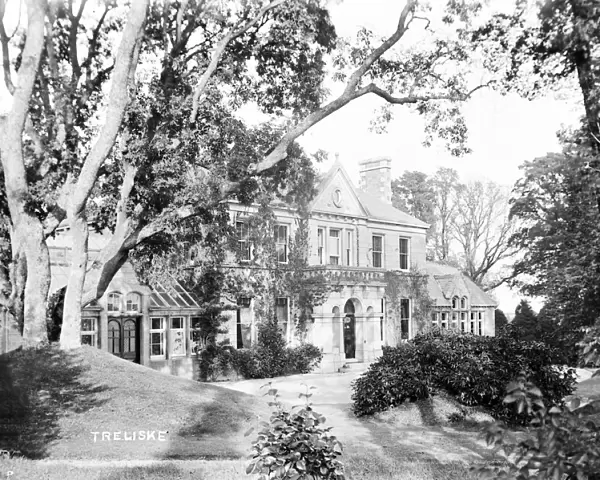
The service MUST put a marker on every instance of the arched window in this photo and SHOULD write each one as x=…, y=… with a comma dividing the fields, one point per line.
x=455, y=303
x=133, y=302
x=463, y=303
x=113, y=302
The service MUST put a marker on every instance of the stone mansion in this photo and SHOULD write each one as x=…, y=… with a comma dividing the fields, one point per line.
x=356, y=236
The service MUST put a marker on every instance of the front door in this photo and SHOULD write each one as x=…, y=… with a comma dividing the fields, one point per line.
x=123, y=338
x=349, y=336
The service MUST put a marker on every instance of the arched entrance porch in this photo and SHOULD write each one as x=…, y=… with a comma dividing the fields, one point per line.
x=352, y=308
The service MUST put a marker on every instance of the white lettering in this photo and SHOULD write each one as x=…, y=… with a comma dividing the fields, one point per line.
x=128, y=437
x=142, y=435
x=106, y=436
x=162, y=436
x=95, y=434
x=117, y=436
x=151, y=435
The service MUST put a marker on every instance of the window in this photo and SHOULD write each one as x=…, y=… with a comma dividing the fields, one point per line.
x=455, y=320
x=472, y=327
x=348, y=248
x=114, y=337
x=281, y=314
x=403, y=249
x=198, y=328
x=455, y=303
x=480, y=323
x=177, y=336
x=334, y=247
x=244, y=302
x=434, y=319
x=243, y=242
x=444, y=320
x=281, y=243
x=377, y=251
x=320, y=245
x=129, y=336
x=133, y=302
x=404, y=318
x=157, y=336
x=463, y=302
x=113, y=302
x=463, y=321
x=89, y=331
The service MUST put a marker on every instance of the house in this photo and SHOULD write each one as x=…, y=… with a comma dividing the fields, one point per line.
x=358, y=238
x=372, y=252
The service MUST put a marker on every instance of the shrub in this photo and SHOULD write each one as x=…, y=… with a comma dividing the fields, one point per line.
x=295, y=445
x=270, y=352
x=473, y=369
x=269, y=358
x=394, y=378
x=560, y=443
x=303, y=358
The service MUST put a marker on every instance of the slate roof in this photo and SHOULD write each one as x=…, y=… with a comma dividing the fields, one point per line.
x=446, y=281
x=384, y=211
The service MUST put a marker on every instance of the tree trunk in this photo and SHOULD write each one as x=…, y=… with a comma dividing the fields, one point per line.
x=27, y=235
x=31, y=277
x=70, y=335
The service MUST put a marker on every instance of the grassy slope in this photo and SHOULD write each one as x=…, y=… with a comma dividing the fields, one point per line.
x=51, y=401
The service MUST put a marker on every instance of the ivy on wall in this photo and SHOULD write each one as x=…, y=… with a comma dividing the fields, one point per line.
x=410, y=285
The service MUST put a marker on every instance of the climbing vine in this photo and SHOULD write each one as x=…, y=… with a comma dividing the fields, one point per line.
x=410, y=285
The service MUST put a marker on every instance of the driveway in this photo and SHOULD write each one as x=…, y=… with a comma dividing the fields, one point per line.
x=332, y=398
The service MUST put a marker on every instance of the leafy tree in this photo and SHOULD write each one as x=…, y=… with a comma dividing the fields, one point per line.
x=555, y=202
x=413, y=194
x=165, y=148
x=526, y=321
x=500, y=319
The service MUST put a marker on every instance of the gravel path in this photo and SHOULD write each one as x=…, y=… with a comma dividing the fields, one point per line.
x=404, y=435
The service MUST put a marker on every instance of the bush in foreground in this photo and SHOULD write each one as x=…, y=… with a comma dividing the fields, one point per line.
x=560, y=443
x=294, y=445
x=473, y=369
x=396, y=377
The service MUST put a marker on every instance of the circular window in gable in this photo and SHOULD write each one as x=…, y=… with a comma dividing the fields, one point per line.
x=337, y=197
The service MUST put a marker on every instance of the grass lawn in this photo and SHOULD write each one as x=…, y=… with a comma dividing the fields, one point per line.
x=51, y=402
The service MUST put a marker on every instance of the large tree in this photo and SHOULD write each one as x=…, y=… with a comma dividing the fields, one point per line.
x=555, y=202
x=481, y=227
x=90, y=140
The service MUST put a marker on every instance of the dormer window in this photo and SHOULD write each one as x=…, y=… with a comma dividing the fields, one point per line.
x=113, y=302
x=463, y=303
x=455, y=303
x=133, y=302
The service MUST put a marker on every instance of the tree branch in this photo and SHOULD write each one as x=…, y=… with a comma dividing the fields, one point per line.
x=218, y=53
x=118, y=100
x=5, y=51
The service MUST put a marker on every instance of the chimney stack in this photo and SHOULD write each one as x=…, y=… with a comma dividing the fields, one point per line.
x=376, y=178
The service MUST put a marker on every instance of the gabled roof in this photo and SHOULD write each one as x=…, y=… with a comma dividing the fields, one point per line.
x=449, y=282
x=371, y=207
x=384, y=211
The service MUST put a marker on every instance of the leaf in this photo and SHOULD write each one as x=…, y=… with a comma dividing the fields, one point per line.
x=249, y=431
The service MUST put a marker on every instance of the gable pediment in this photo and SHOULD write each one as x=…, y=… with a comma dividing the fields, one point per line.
x=336, y=195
